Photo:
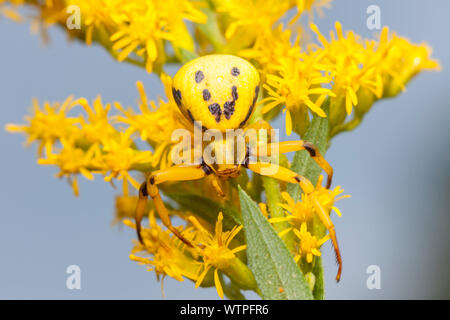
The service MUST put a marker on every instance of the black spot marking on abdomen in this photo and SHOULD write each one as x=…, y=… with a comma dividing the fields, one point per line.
x=234, y=93
x=191, y=117
x=199, y=76
x=177, y=96
x=215, y=111
x=256, y=94
x=250, y=111
x=206, y=95
x=228, y=109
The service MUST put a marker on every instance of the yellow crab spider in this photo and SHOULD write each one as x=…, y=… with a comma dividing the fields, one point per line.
x=220, y=91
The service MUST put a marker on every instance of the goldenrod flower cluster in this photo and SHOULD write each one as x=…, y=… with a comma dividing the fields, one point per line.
x=94, y=138
x=351, y=71
x=133, y=29
x=166, y=255
x=300, y=216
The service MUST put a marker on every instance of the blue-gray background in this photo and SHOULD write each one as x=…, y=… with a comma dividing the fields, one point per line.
x=395, y=166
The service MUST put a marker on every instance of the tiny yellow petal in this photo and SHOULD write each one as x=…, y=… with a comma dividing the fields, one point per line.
x=218, y=284
x=288, y=123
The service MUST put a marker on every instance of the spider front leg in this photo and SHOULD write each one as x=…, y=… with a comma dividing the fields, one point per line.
x=292, y=146
x=149, y=188
x=284, y=174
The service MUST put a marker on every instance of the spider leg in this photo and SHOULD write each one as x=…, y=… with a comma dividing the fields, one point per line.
x=326, y=220
x=149, y=188
x=287, y=175
x=291, y=146
x=258, y=125
x=217, y=187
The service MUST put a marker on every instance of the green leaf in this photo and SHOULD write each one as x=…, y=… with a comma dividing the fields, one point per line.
x=208, y=210
x=276, y=273
x=303, y=164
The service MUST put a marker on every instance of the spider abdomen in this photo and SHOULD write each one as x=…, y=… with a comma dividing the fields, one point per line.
x=220, y=91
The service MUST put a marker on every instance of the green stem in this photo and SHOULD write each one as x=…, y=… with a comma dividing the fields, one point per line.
x=273, y=195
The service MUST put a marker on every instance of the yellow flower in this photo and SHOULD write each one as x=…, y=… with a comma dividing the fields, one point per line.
x=72, y=161
x=269, y=50
x=163, y=253
x=97, y=14
x=132, y=27
x=254, y=16
x=48, y=13
x=402, y=61
x=296, y=84
x=9, y=9
x=42, y=13
x=125, y=207
x=140, y=27
x=379, y=67
x=155, y=124
x=292, y=78
x=349, y=64
x=214, y=250
x=310, y=6
x=96, y=127
x=309, y=245
x=119, y=156
x=85, y=144
x=328, y=197
x=297, y=213
x=253, y=20
x=48, y=125
x=350, y=72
